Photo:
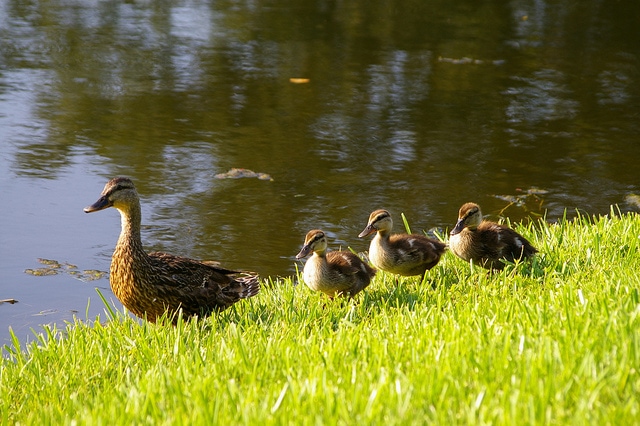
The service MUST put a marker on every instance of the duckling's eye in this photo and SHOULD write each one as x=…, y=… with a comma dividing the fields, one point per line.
x=471, y=213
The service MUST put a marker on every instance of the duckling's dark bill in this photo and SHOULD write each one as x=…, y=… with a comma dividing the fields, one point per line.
x=458, y=228
x=367, y=231
x=102, y=203
x=304, y=252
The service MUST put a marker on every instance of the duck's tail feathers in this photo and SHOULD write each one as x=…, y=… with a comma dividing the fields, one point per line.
x=250, y=284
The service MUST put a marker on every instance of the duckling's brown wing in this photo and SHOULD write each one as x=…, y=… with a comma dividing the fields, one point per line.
x=490, y=241
x=355, y=273
x=415, y=249
x=343, y=262
x=200, y=287
x=502, y=242
x=516, y=246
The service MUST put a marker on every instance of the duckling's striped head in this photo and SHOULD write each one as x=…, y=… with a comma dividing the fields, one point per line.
x=379, y=220
x=118, y=192
x=315, y=241
x=469, y=216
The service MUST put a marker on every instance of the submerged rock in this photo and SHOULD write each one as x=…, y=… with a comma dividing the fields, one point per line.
x=243, y=173
x=633, y=199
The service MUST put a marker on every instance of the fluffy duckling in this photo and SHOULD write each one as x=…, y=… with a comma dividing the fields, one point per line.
x=486, y=243
x=151, y=284
x=401, y=254
x=334, y=273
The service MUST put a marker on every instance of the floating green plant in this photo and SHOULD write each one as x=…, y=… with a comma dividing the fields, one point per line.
x=524, y=199
x=53, y=267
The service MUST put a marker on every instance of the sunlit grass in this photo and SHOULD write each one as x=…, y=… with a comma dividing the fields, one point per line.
x=555, y=340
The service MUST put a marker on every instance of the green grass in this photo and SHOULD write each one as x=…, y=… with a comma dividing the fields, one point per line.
x=553, y=341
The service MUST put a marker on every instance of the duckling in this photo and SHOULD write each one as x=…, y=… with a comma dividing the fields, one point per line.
x=151, y=284
x=334, y=273
x=400, y=254
x=486, y=243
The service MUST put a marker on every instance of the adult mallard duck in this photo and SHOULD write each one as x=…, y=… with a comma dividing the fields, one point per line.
x=401, y=254
x=334, y=273
x=487, y=243
x=151, y=284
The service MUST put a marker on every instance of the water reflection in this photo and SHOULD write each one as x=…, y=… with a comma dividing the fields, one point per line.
x=615, y=82
x=415, y=107
x=542, y=97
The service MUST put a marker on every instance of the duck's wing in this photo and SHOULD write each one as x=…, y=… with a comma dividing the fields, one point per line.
x=186, y=264
x=205, y=280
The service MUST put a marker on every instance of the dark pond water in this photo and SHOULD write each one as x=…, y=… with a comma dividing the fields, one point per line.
x=414, y=106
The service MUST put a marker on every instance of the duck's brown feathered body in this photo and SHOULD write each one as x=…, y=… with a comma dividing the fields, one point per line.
x=401, y=254
x=151, y=284
x=335, y=273
x=486, y=243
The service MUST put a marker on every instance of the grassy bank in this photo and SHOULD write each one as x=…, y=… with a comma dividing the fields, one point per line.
x=553, y=341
